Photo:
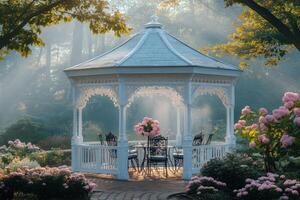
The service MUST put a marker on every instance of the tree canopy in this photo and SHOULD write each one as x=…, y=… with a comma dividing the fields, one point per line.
x=265, y=28
x=21, y=22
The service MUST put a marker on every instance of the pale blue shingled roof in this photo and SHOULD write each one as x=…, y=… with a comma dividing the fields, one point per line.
x=152, y=47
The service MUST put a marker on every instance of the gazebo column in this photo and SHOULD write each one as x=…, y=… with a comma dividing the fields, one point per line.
x=178, y=131
x=80, y=124
x=187, y=138
x=77, y=137
x=230, y=137
x=122, y=151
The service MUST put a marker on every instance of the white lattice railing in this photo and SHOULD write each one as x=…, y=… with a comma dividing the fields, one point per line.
x=96, y=158
x=203, y=153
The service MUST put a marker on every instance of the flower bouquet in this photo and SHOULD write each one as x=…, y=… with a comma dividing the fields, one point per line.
x=148, y=127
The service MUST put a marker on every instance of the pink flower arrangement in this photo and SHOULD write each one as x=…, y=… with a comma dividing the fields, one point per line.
x=148, y=127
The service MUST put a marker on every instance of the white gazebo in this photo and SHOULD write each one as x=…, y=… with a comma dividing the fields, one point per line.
x=150, y=62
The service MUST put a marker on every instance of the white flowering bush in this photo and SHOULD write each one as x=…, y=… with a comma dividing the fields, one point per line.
x=46, y=183
x=272, y=186
x=24, y=163
x=16, y=150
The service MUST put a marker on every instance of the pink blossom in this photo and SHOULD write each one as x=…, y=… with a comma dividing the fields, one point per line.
x=263, y=111
x=289, y=104
x=280, y=112
x=237, y=126
x=297, y=121
x=252, y=144
x=270, y=118
x=246, y=110
x=290, y=96
x=242, y=122
x=262, y=120
x=254, y=126
x=284, y=197
x=296, y=111
x=287, y=140
x=263, y=139
x=295, y=192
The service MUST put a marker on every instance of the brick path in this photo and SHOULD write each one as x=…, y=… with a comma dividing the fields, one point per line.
x=157, y=189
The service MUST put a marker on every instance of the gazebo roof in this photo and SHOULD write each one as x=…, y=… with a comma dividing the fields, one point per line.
x=153, y=48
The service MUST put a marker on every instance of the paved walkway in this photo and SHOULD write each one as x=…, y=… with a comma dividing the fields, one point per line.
x=111, y=189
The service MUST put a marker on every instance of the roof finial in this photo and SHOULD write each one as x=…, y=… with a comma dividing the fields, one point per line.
x=154, y=18
x=154, y=22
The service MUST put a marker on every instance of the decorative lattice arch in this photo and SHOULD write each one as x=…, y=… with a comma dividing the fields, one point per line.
x=220, y=92
x=166, y=91
x=85, y=93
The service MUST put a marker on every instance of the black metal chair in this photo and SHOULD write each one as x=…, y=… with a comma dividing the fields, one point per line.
x=178, y=153
x=111, y=140
x=209, y=138
x=158, y=152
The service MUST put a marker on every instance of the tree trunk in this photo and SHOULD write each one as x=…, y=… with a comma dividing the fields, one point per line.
x=48, y=61
x=76, y=52
x=275, y=22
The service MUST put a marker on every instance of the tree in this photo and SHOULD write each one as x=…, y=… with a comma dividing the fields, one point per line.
x=21, y=22
x=266, y=29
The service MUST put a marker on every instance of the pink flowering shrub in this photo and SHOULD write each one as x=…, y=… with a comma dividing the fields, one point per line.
x=271, y=186
x=46, y=183
x=16, y=149
x=148, y=127
x=275, y=135
x=203, y=187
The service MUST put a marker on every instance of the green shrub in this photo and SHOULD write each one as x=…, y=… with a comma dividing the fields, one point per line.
x=26, y=130
x=233, y=170
x=52, y=158
x=56, y=142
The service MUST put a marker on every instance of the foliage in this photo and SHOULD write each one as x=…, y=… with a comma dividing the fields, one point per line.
x=26, y=130
x=275, y=135
x=206, y=188
x=233, y=169
x=268, y=29
x=16, y=164
x=52, y=158
x=22, y=21
x=54, y=142
x=16, y=150
x=271, y=186
x=46, y=183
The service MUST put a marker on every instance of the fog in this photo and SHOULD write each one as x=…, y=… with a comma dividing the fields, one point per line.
x=36, y=87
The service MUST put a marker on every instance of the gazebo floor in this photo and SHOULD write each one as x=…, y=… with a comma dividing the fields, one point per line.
x=155, y=173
